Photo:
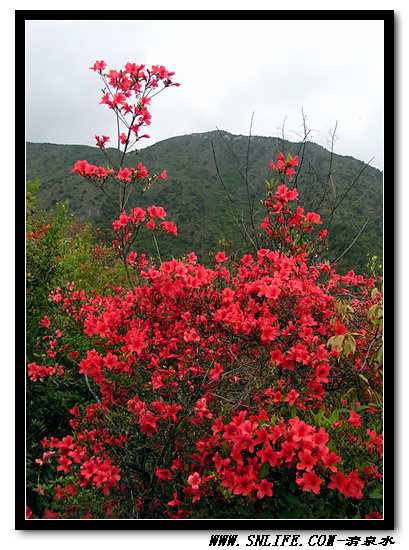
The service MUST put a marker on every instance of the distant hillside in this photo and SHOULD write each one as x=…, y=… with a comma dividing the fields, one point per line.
x=195, y=199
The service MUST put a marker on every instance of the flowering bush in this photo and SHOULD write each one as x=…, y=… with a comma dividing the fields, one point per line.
x=251, y=385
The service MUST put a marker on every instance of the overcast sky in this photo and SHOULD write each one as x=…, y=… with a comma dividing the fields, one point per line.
x=227, y=69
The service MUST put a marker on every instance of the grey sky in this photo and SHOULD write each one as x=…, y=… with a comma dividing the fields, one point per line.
x=228, y=69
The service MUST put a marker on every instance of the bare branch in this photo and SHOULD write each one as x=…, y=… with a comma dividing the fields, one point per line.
x=236, y=216
x=301, y=149
x=352, y=243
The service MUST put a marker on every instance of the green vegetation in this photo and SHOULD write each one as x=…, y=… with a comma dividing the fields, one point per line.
x=197, y=202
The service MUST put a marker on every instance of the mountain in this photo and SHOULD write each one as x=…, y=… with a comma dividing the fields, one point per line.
x=196, y=200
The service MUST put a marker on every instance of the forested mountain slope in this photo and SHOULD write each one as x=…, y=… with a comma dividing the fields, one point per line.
x=205, y=208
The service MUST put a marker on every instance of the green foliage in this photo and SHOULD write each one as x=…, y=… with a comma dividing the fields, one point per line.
x=197, y=202
x=60, y=250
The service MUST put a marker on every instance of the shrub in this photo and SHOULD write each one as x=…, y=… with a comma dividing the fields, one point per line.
x=252, y=386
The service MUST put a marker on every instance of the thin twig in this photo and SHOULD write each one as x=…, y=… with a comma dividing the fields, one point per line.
x=157, y=247
x=90, y=389
x=250, y=203
x=301, y=149
x=242, y=228
x=352, y=243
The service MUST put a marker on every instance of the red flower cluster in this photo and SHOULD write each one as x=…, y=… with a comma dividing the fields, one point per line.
x=283, y=222
x=127, y=226
x=100, y=472
x=252, y=442
x=101, y=140
x=91, y=171
x=39, y=233
x=188, y=334
x=350, y=486
x=39, y=372
x=86, y=456
x=126, y=175
x=284, y=166
x=128, y=91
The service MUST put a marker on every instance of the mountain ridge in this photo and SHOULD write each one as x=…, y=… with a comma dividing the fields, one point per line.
x=207, y=133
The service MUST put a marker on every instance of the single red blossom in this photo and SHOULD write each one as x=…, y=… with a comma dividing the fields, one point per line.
x=64, y=464
x=375, y=440
x=135, y=341
x=131, y=258
x=177, y=464
x=354, y=419
x=267, y=454
x=75, y=411
x=374, y=515
x=142, y=172
x=156, y=212
x=99, y=66
x=45, y=322
x=269, y=332
x=339, y=328
x=133, y=68
x=169, y=227
x=292, y=397
x=151, y=224
x=322, y=372
x=101, y=140
x=330, y=459
x=137, y=215
x=50, y=514
x=320, y=438
x=220, y=257
x=306, y=460
x=243, y=486
x=118, y=99
x=191, y=335
x=264, y=489
x=312, y=218
x=175, y=501
x=293, y=161
x=310, y=482
x=216, y=372
x=194, y=480
x=163, y=474
x=125, y=174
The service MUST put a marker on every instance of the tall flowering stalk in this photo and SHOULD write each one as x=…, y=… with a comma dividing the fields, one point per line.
x=128, y=93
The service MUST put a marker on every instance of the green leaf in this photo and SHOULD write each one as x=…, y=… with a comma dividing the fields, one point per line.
x=362, y=408
x=376, y=493
x=375, y=291
x=319, y=417
x=379, y=355
x=264, y=470
x=336, y=342
x=334, y=416
x=349, y=346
